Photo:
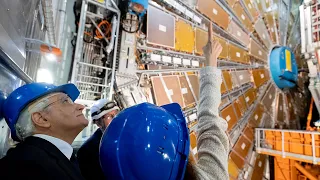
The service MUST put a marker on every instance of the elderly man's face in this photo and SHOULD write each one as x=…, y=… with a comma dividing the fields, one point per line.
x=64, y=115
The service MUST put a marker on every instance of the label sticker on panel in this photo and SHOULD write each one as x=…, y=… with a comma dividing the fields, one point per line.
x=263, y=36
x=256, y=117
x=260, y=164
x=280, y=108
x=228, y=118
x=166, y=59
x=197, y=19
x=262, y=76
x=176, y=60
x=215, y=11
x=270, y=96
x=243, y=146
x=247, y=99
x=249, y=5
x=155, y=57
x=162, y=28
x=272, y=30
x=170, y=92
x=260, y=53
x=239, y=33
x=193, y=117
x=243, y=17
x=238, y=54
x=184, y=91
x=241, y=77
x=195, y=63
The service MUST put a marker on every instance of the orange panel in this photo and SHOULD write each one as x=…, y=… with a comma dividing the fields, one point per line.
x=213, y=11
x=249, y=133
x=260, y=7
x=184, y=36
x=193, y=143
x=227, y=78
x=241, y=105
x=259, y=167
x=231, y=2
x=173, y=85
x=186, y=91
x=237, y=54
x=250, y=96
x=201, y=40
x=257, y=51
x=239, y=161
x=251, y=8
x=237, y=109
x=239, y=34
x=256, y=117
x=308, y=145
x=233, y=169
x=229, y=115
x=225, y=50
x=269, y=97
x=242, y=146
x=260, y=77
x=239, y=11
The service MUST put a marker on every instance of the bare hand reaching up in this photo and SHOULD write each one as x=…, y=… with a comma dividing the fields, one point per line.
x=212, y=50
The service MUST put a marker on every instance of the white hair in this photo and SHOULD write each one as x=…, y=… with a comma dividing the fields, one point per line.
x=24, y=126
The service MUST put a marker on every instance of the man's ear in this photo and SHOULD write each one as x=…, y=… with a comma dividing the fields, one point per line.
x=39, y=120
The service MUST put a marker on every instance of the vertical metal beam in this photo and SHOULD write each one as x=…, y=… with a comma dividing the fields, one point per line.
x=79, y=44
x=313, y=150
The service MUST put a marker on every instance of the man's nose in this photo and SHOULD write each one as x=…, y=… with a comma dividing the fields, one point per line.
x=80, y=107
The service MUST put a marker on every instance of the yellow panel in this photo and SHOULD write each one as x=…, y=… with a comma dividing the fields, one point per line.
x=184, y=36
x=233, y=169
x=224, y=53
x=288, y=61
x=201, y=40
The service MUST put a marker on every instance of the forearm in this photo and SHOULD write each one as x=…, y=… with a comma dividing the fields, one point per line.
x=212, y=139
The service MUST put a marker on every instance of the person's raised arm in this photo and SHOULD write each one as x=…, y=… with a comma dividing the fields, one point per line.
x=213, y=144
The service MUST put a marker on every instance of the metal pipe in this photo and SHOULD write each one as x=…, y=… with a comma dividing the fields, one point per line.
x=78, y=51
x=304, y=171
x=48, y=15
x=62, y=10
x=113, y=74
x=113, y=35
x=13, y=67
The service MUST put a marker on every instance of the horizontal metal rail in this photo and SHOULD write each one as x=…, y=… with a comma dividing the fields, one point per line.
x=13, y=67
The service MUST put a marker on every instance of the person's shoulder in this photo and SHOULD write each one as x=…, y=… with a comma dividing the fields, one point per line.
x=24, y=151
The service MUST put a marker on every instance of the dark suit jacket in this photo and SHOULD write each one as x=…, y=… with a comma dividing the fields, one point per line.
x=88, y=158
x=37, y=159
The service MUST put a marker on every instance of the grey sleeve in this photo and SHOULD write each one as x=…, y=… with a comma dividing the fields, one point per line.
x=212, y=140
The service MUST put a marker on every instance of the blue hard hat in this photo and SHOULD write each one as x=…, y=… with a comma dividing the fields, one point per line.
x=146, y=142
x=22, y=96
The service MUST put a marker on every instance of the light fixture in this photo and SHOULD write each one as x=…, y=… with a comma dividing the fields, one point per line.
x=44, y=75
x=50, y=57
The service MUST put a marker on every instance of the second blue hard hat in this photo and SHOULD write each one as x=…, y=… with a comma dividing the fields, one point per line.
x=146, y=142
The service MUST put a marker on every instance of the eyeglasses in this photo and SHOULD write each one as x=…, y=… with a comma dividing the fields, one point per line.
x=65, y=99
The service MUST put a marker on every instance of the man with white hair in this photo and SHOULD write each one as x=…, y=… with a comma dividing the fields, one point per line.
x=45, y=120
x=102, y=113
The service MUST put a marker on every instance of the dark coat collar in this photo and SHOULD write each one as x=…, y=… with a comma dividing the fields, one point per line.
x=55, y=153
